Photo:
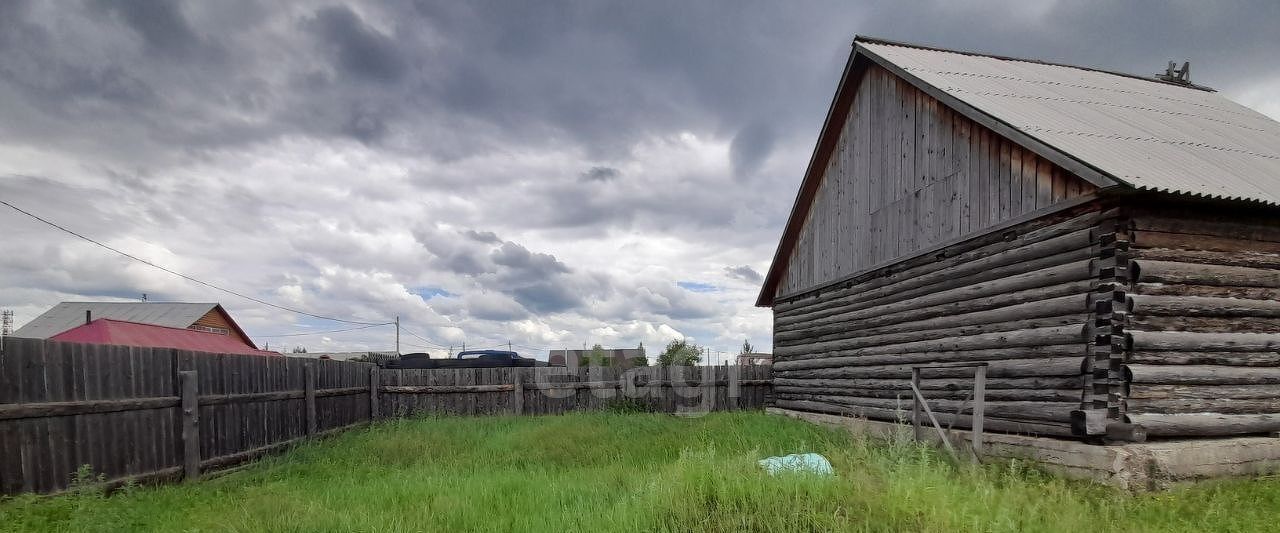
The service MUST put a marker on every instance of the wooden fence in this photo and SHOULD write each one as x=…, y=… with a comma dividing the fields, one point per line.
x=153, y=414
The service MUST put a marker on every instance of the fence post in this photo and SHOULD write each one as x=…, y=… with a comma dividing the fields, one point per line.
x=734, y=391
x=517, y=394
x=374, y=383
x=309, y=395
x=190, y=425
x=915, y=404
x=709, y=388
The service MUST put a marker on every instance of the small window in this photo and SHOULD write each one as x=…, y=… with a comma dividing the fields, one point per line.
x=207, y=329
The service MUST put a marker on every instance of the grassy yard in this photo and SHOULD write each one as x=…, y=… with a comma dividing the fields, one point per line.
x=627, y=472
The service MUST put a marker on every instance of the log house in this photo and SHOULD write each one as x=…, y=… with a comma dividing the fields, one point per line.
x=1107, y=243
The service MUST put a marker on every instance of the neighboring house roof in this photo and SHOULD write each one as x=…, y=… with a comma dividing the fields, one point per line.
x=108, y=331
x=1117, y=131
x=67, y=315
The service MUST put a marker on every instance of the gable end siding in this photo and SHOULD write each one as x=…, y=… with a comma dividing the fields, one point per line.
x=908, y=173
x=215, y=320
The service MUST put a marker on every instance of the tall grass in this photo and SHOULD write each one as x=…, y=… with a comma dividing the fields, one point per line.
x=628, y=472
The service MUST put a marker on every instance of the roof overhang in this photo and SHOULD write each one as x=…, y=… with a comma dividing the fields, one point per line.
x=227, y=316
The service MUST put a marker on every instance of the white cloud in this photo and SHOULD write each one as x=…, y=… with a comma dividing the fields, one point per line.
x=426, y=160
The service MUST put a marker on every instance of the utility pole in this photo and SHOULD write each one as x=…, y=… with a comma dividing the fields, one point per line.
x=397, y=334
x=509, y=347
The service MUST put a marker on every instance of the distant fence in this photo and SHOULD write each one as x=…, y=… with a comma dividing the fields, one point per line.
x=149, y=414
x=555, y=390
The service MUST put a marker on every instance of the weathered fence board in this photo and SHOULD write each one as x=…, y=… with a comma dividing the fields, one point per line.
x=120, y=409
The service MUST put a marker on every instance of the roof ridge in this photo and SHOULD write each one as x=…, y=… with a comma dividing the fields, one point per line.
x=857, y=38
x=149, y=302
x=118, y=321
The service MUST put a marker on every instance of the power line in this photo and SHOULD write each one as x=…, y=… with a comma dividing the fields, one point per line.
x=424, y=339
x=438, y=345
x=330, y=331
x=184, y=276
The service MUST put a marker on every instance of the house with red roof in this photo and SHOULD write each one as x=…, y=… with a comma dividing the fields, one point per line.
x=203, y=327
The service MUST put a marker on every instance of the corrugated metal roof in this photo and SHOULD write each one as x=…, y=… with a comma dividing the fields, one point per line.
x=121, y=333
x=68, y=315
x=1143, y=133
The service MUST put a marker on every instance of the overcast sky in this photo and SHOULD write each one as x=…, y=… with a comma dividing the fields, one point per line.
x=545, y=173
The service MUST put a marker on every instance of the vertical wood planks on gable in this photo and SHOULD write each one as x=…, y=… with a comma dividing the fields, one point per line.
x=960, y=156
x=1012, y=171
x=1044, y=184
x=908, y=173
x=861, y=179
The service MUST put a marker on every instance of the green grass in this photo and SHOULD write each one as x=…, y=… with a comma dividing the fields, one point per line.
x=629, y=472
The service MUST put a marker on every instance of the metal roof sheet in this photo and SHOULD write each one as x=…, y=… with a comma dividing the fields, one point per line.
x=121, y=333
x=1143, y=133
x=68, y=315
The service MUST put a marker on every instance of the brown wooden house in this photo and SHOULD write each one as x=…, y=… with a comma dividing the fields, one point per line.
x=1107, y=243
x=208, y=318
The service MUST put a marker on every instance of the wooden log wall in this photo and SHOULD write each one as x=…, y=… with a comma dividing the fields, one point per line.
x=1021, y=301
x=908, y=173
x=126, y=411
x=1201, y=321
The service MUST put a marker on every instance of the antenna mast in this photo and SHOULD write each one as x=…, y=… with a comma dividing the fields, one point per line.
x=1173, y=74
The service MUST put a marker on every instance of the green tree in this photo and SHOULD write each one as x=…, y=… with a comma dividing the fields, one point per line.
x=680, y=353
x=642, y=359
x=596, y=357
x=747, y=348
x=299, y=349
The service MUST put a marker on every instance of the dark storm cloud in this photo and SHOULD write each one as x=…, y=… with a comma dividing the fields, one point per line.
x=750, y=147
x=463, y=263
x=365, y=127
x=685, y=200
x=482, y=236
x=519, y=258
x=495, y=307
x=316, y=135
x=536, y=281
x=452, y=79
x=744, y=273
x=600, y=174
x=546, y=296
x=160, y=23
x=359, y=51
